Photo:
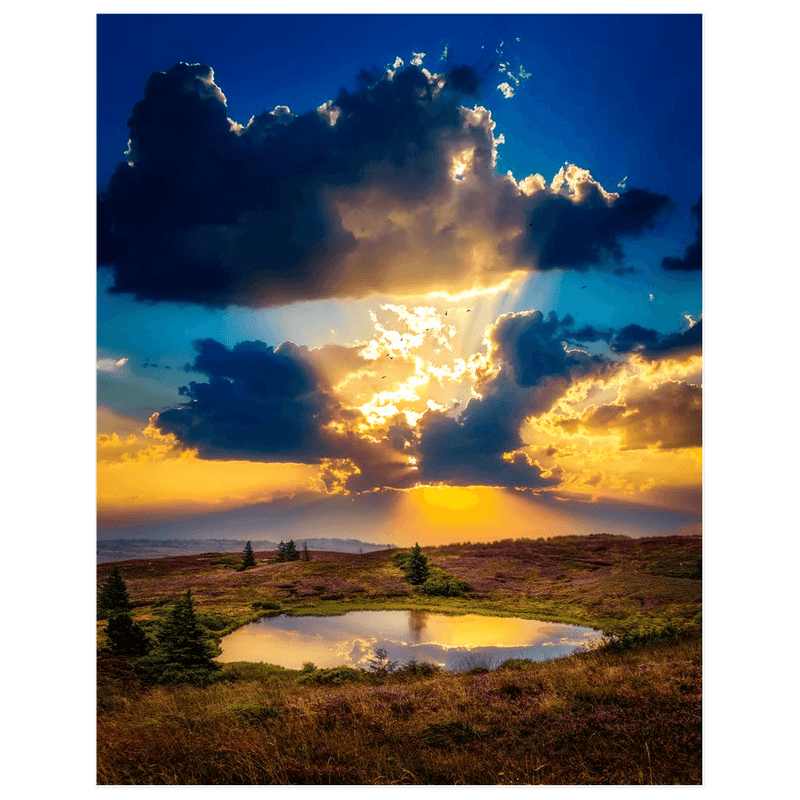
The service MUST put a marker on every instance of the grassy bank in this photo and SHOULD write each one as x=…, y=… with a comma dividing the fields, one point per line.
x=624, y=715
x=596, y=718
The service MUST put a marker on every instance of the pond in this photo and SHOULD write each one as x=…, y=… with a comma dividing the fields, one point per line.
x=453, y=642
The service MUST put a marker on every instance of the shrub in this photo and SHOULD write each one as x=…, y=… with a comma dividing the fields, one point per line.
x=334, y=675
x=229, y=560
x=213, y=622
x=267, y=605
x=418, y=669
x=445, y=585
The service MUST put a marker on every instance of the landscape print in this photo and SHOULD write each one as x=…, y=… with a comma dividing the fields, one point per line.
x=399, y=384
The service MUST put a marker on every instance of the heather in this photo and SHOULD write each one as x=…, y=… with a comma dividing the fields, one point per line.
x=627, y=713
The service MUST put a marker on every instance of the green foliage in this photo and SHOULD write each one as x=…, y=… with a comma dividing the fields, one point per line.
x=214, y=622
x=248, y=560
x=267, y=605
x=443, y=584
x=417, y=669
x=181, y=651
x=254, y=671
x=400, y=560
x=633, y=639
x=308, y=666
x=335, y=675
x=126, y=637
x=288, y=552
x=112, y=596
x=306, y=556
x=418, y=566
x=228, y=560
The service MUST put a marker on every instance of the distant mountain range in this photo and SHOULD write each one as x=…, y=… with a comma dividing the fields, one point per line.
x=125, y=549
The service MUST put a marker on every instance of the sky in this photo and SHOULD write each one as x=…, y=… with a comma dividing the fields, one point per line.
x=441, y=284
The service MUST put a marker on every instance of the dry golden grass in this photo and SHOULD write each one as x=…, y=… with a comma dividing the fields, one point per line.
x=595, y=718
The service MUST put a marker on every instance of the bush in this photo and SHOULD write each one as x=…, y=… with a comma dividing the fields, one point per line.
x=267, y=605
x=445, y=585
x=213, y=622
x=254, y=671
x=418, y=669
x=334, y=675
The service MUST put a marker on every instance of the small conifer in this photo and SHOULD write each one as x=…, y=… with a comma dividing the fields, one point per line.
x=249, y=559
x=418, y=568
x=112, y=596
x=126, y=637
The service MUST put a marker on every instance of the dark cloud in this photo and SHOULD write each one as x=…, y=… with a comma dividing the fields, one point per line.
x=356, y=197
x=275, y=404
x=693, y=257
x=669, y=416
x=582, y=234
x=266, y=404
x=654, y=345
x=259, y=403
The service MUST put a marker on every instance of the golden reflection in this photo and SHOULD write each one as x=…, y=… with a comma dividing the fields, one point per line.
x=350, y=639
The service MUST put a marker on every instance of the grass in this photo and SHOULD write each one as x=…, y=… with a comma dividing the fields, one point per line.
x=596, y=718
x=623, y=714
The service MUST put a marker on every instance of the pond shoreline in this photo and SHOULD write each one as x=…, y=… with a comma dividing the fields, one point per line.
x=407, y=635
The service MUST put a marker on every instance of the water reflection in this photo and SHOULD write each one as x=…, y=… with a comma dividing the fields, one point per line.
x=453, y=642
x=417, y=621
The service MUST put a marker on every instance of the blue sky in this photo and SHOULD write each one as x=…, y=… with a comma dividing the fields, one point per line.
x=617, y=96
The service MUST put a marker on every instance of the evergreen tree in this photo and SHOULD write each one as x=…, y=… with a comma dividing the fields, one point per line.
x=288, y=552
x=291, y=552
x=112, y=596
x=181, y=652
x=306, y=556
x=126, y=637
x=249, y=559
x=417, y=566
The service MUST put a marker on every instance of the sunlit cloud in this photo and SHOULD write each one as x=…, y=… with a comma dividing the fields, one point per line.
x=111, y=364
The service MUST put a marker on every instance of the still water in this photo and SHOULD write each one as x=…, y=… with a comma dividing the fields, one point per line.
x=452, y=642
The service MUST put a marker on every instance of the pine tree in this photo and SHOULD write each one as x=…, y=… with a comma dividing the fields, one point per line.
x=291, y=552
x=418, y=568
x=112, y=596
x=249, y=559
x=281, y=552
x=181, y=652
x=126, y=637
x=306, y=556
